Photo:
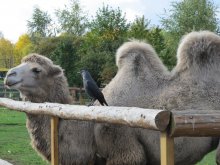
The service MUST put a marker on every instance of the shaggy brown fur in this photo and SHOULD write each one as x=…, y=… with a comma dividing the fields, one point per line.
x=143, y=81
x=42, y=81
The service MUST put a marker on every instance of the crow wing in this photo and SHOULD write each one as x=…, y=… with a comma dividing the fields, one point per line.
x=93, y=90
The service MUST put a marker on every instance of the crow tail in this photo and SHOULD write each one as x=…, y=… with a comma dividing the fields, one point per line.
x=105, y=102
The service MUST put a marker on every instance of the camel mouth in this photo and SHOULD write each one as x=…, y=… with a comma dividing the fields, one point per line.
x=12, y=83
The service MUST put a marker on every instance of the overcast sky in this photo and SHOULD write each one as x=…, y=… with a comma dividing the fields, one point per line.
x=15, y=13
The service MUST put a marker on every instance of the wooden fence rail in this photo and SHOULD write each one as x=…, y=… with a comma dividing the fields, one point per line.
x=170, y=124
x=131, y=116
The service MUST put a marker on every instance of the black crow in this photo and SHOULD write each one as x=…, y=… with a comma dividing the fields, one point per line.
x=91, y=88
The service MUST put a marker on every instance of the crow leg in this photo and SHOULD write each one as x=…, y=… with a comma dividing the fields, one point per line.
x=92, y=102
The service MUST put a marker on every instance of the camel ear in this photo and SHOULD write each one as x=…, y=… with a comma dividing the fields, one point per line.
x=56, y=71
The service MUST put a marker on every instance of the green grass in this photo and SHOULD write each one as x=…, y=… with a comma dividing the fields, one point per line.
x=208, y=159
x=15, y=142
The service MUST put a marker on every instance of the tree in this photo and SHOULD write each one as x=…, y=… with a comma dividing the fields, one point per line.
x=63, y=50
x=40, y=24
x=108, y=31
x=186, y=16
x=72, y=19
x=109, y=20
x=22, y=47
x=156, y=39
x=189, y=15
x=90, y=56
x=139, y=29
x=6, y=53
x=66, y=55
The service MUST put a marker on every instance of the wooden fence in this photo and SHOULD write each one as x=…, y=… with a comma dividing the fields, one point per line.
x=78, y=94
x=9, y=93
x=170, y=124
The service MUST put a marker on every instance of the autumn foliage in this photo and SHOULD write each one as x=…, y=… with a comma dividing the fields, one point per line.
x=75, y=41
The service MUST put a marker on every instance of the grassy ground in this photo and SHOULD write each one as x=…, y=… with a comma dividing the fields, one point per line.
x=15, y=142
x=208, y=159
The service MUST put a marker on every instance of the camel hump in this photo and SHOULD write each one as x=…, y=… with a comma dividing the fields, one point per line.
x=199, y=51
x=138, y=53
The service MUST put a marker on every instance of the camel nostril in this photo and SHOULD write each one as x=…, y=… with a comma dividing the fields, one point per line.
x=13, y=73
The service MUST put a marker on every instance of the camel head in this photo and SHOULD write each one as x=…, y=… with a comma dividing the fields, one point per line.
x=34, y=76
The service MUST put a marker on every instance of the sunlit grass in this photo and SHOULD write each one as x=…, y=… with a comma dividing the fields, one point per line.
x=14, y=140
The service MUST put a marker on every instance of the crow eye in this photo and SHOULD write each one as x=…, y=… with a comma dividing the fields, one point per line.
x=36, y=70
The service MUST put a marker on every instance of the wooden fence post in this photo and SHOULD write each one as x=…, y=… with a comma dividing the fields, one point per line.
x=54, y=140
x=166, y=149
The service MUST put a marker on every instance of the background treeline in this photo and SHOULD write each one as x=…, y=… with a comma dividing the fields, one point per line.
x=74, y=41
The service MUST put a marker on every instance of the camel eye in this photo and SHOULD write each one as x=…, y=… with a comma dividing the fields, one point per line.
x=36, y=70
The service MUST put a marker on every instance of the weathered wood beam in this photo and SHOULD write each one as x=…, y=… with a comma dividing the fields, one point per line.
x=195, y=123
x=130, y=116
x=166, y=149
x=54, y=140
